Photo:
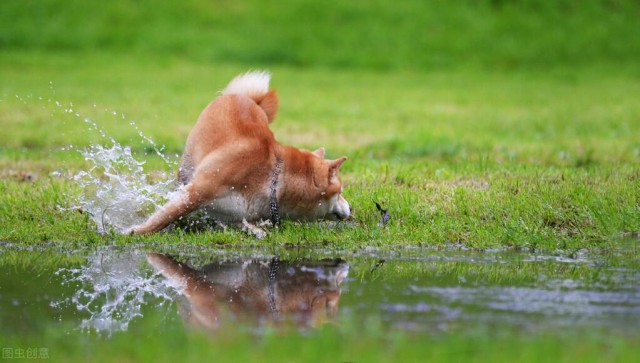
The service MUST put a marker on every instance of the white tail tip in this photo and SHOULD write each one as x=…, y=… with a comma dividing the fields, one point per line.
x=251, y=84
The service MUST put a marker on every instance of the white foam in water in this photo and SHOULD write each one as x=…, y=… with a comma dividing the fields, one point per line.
x=112, y=289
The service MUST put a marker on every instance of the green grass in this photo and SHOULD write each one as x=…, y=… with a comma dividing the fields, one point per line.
x=330, y=344
x=371, y=34
x=525, y=158
x=481, y=123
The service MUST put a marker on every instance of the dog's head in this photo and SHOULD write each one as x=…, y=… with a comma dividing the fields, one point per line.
x=332, y=204
x=318, y=189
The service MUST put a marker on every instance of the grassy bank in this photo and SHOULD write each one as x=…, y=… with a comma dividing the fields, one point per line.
x=526, y=159
x=486, y=123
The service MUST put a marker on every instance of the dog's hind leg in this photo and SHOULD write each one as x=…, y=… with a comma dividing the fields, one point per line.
x=182, y=203
x=186, y=169
x=204, y=186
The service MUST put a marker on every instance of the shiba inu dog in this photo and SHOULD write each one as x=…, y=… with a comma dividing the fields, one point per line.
x=306, y=293
x=233, y=166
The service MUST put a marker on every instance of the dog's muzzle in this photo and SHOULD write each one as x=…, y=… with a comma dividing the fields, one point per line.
x=342, y=209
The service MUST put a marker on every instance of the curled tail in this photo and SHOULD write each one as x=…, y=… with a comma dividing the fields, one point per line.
x=255, y=85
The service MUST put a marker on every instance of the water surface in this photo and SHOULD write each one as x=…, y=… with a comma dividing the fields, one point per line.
x=110, y=290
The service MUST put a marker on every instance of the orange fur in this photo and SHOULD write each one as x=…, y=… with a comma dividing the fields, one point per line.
x=229, y=162
x=269, y=105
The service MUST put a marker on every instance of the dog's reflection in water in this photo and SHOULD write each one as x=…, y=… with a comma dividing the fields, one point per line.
x=263, y=292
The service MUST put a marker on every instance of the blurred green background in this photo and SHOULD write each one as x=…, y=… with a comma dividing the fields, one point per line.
x=372, y=34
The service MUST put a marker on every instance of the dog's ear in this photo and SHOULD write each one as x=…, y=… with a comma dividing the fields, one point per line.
x=319, y=152
x=334, y=165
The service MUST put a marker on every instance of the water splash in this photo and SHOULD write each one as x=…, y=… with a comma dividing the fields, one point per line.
x=115, y=190
x=112, y=288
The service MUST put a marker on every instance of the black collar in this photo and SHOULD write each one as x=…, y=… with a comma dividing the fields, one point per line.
x=273, y=200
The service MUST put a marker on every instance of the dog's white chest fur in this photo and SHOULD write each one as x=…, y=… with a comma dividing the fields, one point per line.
x=234, y=207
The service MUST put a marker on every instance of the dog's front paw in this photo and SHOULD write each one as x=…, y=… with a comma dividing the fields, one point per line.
x=254, y=230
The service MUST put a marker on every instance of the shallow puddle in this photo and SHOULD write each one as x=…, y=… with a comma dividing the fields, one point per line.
x=422, y=291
